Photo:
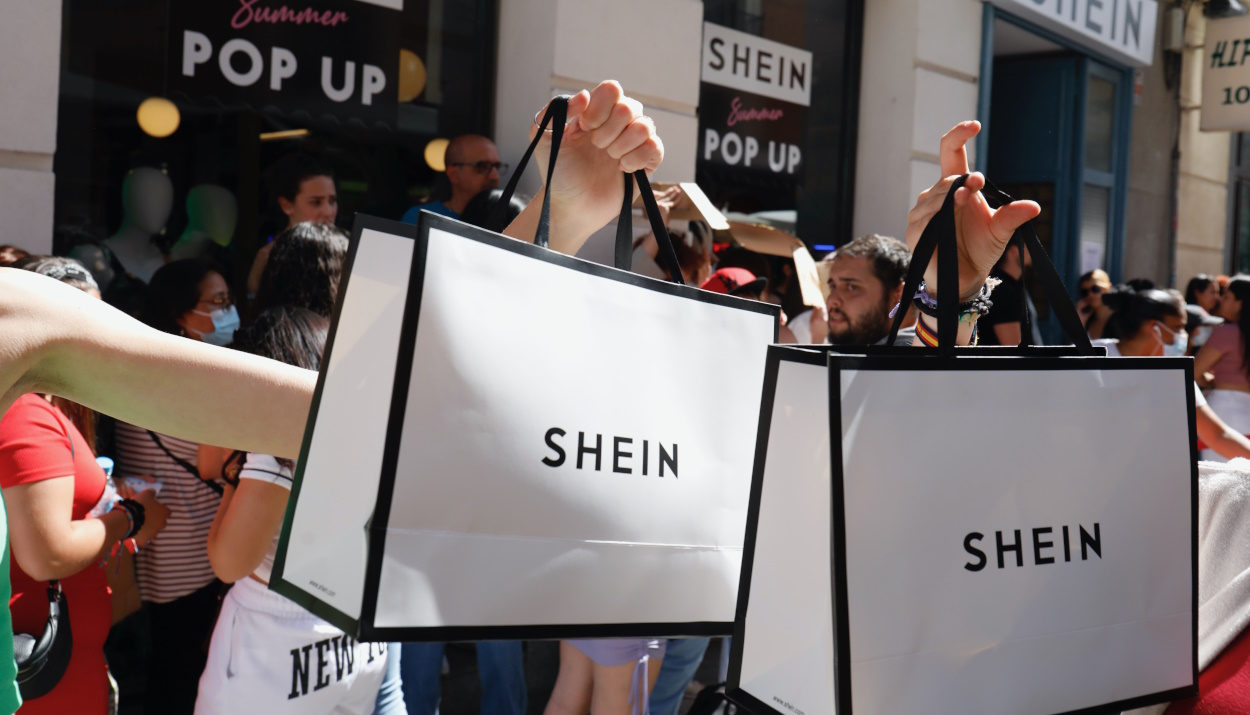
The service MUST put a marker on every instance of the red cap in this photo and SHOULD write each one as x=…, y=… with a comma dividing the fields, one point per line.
x=734, y=281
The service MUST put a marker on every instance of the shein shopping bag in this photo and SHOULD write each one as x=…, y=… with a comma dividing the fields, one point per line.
x=993, y=531
x=511, y=443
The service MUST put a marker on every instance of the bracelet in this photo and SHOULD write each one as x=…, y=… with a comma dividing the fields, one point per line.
x=929, y=337
x=134, y=514
x=969, y=311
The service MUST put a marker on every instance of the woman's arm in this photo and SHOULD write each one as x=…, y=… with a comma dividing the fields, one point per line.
x=55, y=339
x=1219, y=436
x=1208, y=355
x=49, y=544
x=210, y=461
x=247, y=520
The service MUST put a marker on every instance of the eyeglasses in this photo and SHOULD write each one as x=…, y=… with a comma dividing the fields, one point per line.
x=1095, y=289
x=484, y=167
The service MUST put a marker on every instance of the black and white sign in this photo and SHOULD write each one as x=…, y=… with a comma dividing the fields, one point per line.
x=322, y=57
x=1226, y=75
x=753, y=102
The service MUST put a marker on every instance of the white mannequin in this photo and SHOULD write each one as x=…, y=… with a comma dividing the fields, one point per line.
x=147, y=199
x=211, y=216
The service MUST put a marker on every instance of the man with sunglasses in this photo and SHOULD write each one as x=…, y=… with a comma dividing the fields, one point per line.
x=472, y=166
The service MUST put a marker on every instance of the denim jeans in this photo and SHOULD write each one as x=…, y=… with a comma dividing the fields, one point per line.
x=500, y=666
x=391, y=694
x=680, y=663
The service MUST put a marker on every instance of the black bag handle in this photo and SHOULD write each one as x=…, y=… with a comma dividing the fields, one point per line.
x=940, y=235
x=556, y=115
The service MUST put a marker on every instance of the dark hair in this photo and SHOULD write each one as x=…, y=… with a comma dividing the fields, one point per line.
x=890, y=257
x=1197, y=284
x=479, y=207
x=10, y=254
x=1132, y=309
x=1240, y=286
x=1140, y=284
x=290, y=171
x=304, y=269
x=173, y=290
x=286, y=333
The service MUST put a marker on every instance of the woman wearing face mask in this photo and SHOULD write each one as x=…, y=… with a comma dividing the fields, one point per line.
x=1224, y=356
x=176, y=580
x=1151, y=323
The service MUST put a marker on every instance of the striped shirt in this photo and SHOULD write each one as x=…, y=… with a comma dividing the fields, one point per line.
x=175, y=563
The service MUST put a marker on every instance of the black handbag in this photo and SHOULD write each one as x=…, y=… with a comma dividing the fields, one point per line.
x=43, y=660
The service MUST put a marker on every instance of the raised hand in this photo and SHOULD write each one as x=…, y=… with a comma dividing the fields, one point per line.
x=607, y=135
x=982, y=232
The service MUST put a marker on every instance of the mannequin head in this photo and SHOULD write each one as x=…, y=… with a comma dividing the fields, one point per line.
x=147, y=199
x=304, y=189
x=212, y=210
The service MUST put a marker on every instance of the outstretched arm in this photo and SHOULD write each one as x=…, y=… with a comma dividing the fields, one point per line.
x=55, y=339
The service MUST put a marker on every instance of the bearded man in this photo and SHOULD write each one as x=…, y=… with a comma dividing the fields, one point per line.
x=865, y=283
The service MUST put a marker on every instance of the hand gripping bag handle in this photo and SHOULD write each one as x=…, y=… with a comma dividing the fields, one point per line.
x=940, y=235
x=556, y=115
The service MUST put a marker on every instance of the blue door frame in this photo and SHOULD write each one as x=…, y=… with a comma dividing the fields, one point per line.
x=1067, y=254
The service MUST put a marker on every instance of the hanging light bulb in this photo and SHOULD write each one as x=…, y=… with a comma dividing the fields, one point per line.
x=158, y=117
x=436, y=153
x=411, y=76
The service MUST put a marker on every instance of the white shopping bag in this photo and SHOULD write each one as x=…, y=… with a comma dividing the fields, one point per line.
x=511, y=443
x=1002, y=531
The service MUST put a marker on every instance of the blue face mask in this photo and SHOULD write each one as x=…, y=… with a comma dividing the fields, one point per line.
x=1180, y=341
x=225, y=322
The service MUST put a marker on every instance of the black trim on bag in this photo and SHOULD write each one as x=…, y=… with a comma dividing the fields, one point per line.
x=816, y=356
x=837, y=363
x=277, y=582
x=771, y=368
x=366, y=629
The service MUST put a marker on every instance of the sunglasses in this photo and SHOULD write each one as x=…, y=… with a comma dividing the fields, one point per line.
x=484, y=167
x=1095, y=289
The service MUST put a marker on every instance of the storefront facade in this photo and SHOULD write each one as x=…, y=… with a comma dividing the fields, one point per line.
x=1111, y=145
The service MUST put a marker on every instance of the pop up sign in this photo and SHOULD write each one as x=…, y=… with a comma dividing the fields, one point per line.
x=325, y=57
x=753, y=101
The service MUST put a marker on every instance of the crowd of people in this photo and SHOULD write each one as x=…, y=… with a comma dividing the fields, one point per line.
x=92, y=501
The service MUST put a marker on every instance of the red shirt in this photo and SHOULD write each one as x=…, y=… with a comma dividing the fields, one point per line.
x=38, y=442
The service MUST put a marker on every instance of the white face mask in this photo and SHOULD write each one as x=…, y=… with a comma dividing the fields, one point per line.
x=1179, y=344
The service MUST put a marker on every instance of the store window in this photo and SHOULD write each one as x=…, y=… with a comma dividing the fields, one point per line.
x=777, y=128
x=439, y=83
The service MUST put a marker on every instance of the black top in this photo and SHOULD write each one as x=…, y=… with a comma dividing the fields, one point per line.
x=1007, y=298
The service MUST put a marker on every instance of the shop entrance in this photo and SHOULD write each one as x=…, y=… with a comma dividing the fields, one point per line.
x=1058, y=134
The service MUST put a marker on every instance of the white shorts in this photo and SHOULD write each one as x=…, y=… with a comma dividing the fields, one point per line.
x=268, y=655
x=1233, y=406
